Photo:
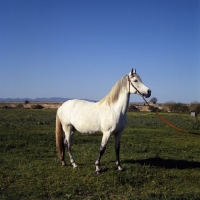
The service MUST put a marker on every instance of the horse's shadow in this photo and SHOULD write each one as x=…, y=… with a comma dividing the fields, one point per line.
x=166, y=163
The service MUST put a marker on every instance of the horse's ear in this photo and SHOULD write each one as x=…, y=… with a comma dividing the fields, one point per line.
x=133, y=71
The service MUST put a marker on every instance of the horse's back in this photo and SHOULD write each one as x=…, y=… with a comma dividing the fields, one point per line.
x=72, y=107
x=77, y=106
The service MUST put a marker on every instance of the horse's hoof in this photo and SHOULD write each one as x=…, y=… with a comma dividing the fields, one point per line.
x=120, y=168
x=63, y=163
x=75, y=166
x=97, y=171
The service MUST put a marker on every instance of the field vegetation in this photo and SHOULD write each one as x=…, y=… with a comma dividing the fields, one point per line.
x=159, y=162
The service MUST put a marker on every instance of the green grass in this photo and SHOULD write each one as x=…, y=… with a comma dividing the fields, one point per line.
x=159, y=162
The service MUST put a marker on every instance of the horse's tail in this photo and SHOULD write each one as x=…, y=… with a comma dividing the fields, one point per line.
x=59, y=138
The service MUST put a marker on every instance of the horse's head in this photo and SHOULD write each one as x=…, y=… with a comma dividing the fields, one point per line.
x=136, y=86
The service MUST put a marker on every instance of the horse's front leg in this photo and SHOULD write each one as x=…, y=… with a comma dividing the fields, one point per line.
x=104, y=142
x=117, y=149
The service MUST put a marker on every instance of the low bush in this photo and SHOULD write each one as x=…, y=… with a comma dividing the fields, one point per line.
x=195, y=107
x=131, y=108
x=19, y=105
x=37, y=106
x=154, y=109
x=177, y=107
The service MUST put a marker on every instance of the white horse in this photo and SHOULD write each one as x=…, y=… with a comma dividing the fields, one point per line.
x=108, y=117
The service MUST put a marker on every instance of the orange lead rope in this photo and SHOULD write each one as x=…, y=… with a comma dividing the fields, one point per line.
x=169, y=124
x=159, y=116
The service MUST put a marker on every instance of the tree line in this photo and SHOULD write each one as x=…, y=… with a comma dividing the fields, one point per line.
x=180, y=107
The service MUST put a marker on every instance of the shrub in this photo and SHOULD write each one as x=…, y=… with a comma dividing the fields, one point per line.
x=195, y=107
x=37, y=106
x=153, y=100
x=26, y=102
x=176, y=107
x=131, y=108
x=154, y=109
x=6, y=106
x=20, y=105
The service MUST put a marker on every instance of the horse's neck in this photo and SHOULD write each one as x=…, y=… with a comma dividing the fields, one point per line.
x=122, y=103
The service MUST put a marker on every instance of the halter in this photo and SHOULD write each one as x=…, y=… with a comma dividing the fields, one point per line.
x=131, y=84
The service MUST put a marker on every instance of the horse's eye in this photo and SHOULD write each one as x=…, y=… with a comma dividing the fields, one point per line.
x=135, y=80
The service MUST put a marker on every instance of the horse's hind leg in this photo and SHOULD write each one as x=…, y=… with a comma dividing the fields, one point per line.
x=67, y=142
x=63, y=154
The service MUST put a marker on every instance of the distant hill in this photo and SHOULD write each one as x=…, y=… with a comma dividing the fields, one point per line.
x=53, y=99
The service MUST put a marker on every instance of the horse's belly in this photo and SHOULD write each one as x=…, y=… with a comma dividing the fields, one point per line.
x=93, y=133
x=89, y=131
x=86, y=127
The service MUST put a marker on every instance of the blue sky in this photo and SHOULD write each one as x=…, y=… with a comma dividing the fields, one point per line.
x=81, y=48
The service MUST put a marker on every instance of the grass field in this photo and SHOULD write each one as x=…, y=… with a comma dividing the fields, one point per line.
x=159, y=162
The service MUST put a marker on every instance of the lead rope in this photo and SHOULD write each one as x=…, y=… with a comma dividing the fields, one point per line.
x=158, y=115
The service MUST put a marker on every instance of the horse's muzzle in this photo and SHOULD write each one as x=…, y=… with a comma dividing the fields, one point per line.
x=148, y=93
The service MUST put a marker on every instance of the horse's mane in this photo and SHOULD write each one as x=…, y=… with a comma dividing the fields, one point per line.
x=113, y=95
